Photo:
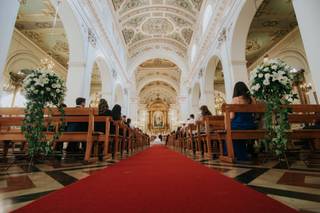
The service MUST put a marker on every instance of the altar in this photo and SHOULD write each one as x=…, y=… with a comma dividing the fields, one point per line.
x=158, y=117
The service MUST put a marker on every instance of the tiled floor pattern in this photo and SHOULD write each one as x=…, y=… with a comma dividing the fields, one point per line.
x=298, y=187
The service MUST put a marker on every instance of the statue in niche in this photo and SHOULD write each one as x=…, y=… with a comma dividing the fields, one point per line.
x=158, y=119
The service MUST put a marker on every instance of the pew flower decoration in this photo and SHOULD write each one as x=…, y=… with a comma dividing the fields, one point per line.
x=271, y=83
x=42, y=89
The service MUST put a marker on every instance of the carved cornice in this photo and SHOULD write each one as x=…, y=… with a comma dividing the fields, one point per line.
x=92, y=38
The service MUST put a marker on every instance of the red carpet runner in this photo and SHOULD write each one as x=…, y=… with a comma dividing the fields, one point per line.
x=156, y=180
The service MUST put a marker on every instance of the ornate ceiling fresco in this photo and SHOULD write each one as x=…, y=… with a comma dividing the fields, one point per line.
x=35, y=21
x=158, y=79
x=147, y=22
x=272, y=22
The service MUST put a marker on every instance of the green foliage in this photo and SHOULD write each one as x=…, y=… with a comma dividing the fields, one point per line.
x=42, y=90
x=271, y=83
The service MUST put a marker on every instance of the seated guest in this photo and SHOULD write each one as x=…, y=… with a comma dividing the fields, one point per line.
x=77, y=127
x=204, y=111
x=124, y=119
x=191, y=119
x=103, y=109
x=116, y=116
x=128, y=122
x=242, y=120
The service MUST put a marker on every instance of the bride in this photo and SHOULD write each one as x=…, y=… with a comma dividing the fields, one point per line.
x=157, y=140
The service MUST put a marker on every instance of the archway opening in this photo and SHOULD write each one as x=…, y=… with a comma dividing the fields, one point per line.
x=95, y=86
x=274, y=33
x=157, y=86
x=215, y=85
x=219, y=89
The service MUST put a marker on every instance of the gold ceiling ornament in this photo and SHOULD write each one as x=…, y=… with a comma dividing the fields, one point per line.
x=46, y=64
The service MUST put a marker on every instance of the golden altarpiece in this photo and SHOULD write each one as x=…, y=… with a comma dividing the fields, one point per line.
x=158, y=117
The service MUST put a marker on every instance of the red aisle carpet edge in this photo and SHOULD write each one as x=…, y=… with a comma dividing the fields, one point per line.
x=156, y=180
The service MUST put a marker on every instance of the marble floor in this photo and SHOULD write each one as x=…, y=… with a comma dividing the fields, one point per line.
x=298, y=187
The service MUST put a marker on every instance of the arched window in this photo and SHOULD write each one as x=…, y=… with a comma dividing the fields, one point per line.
x=206, y=18
x=193, y=52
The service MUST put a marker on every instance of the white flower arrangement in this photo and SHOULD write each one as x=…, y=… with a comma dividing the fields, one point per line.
x=42, y=89
x=272, y=80
x=271, y=83
x=44, y=86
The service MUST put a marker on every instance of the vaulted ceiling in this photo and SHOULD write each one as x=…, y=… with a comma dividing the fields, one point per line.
x=272, y=22
x=168, y=23
x=35, y=21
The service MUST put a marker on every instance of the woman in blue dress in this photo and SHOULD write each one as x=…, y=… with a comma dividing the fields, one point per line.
x=242, y=120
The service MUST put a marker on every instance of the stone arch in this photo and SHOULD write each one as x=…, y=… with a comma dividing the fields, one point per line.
x=29, y=61
x=151, y=54
x=165, y=79
x=294, y=58
x=78, y=50
x=297, y=59
x=210, y=71
x=17, y=61
x=241, y=28
x=74, y=33
x=210, y=84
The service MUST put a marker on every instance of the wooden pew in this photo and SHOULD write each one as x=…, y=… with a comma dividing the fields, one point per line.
x=11, y=121
x=212, y=124
x=228, y=135
x=300, y=114
x=306, y=115
x=190, y=138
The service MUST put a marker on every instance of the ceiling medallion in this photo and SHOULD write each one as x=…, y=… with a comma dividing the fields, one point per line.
x=157, y=26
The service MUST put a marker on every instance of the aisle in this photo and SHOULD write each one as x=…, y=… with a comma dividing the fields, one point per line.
x=156, y=180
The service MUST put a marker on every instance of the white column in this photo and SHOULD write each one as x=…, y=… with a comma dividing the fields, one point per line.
x=133, y=109
x=74, y=84
x=8, y=15
x=239, y=72
x=308, y=16
x=228, y=72
x=183, y=102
